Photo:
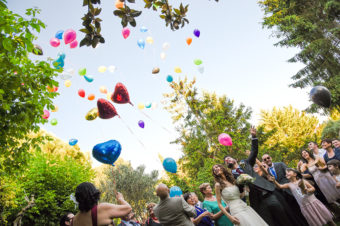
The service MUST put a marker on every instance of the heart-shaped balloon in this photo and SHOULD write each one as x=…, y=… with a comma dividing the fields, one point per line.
x=225, y=139
x=175, y=191
x=69, y=36
x=107, y=152
x=141, y=43
x=106, y=110
x=197, y=33
x=88, y=78
x=126, y=32
x=81, y=93
x=72, y=142
x=59, y=34
x=170, y=165
x=321, y=96
x=92, y=114
x=73, y=44
x=198, y=61
x=121, y=95
x=141, y=124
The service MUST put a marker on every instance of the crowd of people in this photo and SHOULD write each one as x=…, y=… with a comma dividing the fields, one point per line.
x=278, y=195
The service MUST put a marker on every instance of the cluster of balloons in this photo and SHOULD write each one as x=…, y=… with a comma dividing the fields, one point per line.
x=197, y=33
x=69, y=37
x=107, y=152
x=170, y=165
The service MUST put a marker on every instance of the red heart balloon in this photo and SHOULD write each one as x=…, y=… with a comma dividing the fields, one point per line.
x=106, y=110
x=121, y=95
x=81, y=93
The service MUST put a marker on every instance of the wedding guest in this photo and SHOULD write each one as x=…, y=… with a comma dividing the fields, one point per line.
x=330, y=152
x=313, y=147
x=203, y=217
x=334, y=167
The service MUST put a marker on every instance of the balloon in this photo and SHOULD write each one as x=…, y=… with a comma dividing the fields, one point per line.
x=140, y=106
x=107, y=152
x=88, y=78
x=178, y=70
x=165, y=46
x=91, y=114
x=81, y=93
x=69, y=36
x=52, y=89
x=119, y=4
x=37, y=50
x=103, y=89
x=56, y=108
x=201, y=69
x=155, y=70
x=82, y=71
x=59, y=34
x=141, y=124
x=148, y=105
x=175, y=192
x=197, y=33
x=106, y=110
x=72, y=142
x=111, y=68
x=91, y=96
x=54, y=42
x=46, y=114
x=54, y=122
x=121, y=94
x=101, y=69
x=169, y=78
x=143, y=29
x=163, y=56
x=189, y=41
x=170, y=165
x=73, y=44
x=59, y=63
x=149, y=40
x=198, y=61
x=61, y=56
x=154, y=105
x=71, y=71
x=141, y=43
x=225, y=139
x=67, y=83
x=65, y=76
x=126, y=32
x=321, y=96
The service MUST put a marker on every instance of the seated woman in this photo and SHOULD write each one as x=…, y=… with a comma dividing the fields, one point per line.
x=91, y=213
x=203, y=217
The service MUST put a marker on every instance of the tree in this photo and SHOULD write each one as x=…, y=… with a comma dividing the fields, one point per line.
x=314, y=27
x=332, y=128
x=23, y=86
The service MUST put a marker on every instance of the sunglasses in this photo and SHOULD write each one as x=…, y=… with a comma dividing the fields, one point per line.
x=266, y=159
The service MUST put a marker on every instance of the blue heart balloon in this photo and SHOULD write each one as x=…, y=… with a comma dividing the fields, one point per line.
x=143, y=29
x=58, y=63
x=61, y=56
x=141, y=43
x=170, y=165
x=107, y=152
x=59, y=34
x=88, y=78
x=169, y=78
x=72, y=142
x=175, y=191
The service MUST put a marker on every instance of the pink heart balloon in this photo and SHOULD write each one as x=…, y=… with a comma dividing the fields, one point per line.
x=74, y=44
x=225, y=139
x=126, y=32
x=46, y=114
x=69, y=36
x=54, y=42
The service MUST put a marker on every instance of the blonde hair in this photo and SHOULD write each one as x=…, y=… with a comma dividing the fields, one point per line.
x=203, y=187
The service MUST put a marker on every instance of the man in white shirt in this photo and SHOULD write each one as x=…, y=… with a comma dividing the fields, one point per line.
x=313, y=146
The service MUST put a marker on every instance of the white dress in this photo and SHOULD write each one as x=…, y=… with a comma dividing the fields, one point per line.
x=239, y=209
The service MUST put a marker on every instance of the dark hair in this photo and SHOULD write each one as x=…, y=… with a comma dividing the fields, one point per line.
x=226, y=157
x=336, y=139
x=309, y=153
x=298, y=174
x=186, y=196
x=327, y=140
x=313, y=142
x=64, y=218
x=229, y=176
x=334, y=162
x=87, y=195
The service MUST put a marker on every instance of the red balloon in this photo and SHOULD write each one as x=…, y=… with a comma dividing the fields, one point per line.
x=121, y=95
x=81, y=93
x=106, y=110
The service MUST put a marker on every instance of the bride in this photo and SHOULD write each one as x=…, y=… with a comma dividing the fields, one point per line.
x=225, y=188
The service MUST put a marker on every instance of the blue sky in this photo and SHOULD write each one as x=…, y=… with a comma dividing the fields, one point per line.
x=238, y=55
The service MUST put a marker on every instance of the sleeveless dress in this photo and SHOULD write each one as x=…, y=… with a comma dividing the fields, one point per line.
x=326, y=184
x=312, y=209
x=239, y=209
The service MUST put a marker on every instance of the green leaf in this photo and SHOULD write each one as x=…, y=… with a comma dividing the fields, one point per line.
x=7, y=44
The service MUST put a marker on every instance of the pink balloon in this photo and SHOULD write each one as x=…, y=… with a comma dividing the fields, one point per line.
x=74, y=44
x=46, y=114
x=225, y=139
x=126, y=32
x=69, y=36
x=54, y=42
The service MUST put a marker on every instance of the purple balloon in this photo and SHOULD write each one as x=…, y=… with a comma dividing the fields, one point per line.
x=197, y=33
x=141, y=124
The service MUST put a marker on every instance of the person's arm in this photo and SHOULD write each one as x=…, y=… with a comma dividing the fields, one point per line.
x=254, y=147
x=119, y=210
x=200, y=217
x=309, y=188
x=233, y=219
x=280, y=186
x=322, y=161
x=262, y=168
x=189, y=210
x=213, y=216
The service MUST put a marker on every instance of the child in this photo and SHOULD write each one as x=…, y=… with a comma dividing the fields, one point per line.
x=312, y=209
x=334, y=167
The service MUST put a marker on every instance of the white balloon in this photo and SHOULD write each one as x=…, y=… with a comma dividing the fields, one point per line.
x=65, y=76
x=201, y=69
x=70, y=71
x=163, y=56
x=154, y=105
x=166, y=46
x=112, y=68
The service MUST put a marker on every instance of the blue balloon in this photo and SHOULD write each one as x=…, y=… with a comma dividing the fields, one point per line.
x=141, y=43
x=58, y=63
x=170, y=165
x=175, y=191
x=107, y=152
x=143, y=29
x=61, y=56
x=169, y=78
x=59, y=34
x=88, y=78
x=72, y=142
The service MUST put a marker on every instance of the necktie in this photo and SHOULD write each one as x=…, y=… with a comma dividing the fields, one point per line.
x=272, y=171
x=239, y=171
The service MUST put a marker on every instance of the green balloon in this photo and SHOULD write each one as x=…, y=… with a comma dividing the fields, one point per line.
x=198, y=61
x=54, y=122
x=82, y=71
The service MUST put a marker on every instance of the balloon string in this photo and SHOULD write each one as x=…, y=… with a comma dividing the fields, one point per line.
x=153, y=120
x=132, y=132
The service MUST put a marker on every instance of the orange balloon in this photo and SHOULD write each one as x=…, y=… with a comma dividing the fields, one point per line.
x=189, y=41
x=119, y=4
x=91, y=96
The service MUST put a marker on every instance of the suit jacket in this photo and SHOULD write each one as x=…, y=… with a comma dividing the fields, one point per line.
x=280, y=170
x=174, y=211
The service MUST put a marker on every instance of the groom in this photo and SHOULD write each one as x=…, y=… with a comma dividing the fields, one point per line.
x=263, y=197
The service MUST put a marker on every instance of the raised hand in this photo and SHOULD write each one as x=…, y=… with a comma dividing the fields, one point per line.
x=253, y=131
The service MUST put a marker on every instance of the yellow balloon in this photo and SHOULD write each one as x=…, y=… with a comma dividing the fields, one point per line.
x=108, y=96
x=67, y=83
x=178, y=70
x=92, y=114
x=103, y=89
x=149, y=40
x=101, y=69
x=55, y=108
x=140, y=106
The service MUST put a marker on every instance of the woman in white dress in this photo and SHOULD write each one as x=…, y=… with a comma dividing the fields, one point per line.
x=226, y=189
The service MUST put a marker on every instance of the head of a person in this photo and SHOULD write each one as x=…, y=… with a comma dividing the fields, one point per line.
x=326, y=143
x=87, y=195
x=293, y=173
x=307, y=155
x=162, y=191
x=267, y=159
x=336, y=143
x=149, y=208
x=205, y=189
x=312, y=145
x=256, y=169
x=189, y=199
x=229, y=161
x=333, y=165
x=194, y=197
x=66, y=219
x=247, y=152
x=220, y=172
